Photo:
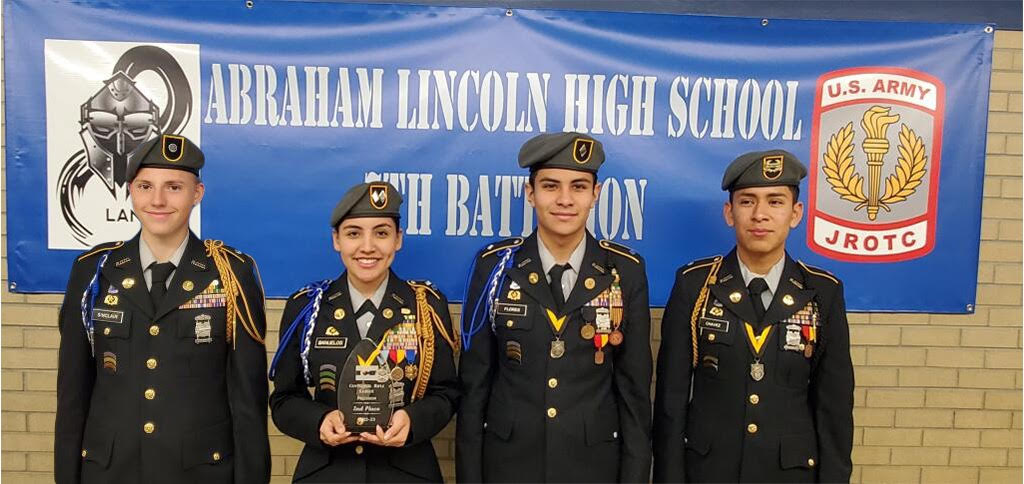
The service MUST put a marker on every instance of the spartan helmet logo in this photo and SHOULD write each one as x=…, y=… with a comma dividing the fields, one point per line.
x=379, y=196
x=581, y=150
x=115, y=122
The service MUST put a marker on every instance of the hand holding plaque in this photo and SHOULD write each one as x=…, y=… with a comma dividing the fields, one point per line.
x=364, y=388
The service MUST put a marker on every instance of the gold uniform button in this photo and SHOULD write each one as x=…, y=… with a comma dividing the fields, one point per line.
x=216, y=456
x=752, y=429
x=810, y=462
x=553, y=382
x=149, y=428
x=106, y=331
x=509, y=323
x=154, y=330
x=359, y=449
x=754, y=399
x=151, y=363
x=552, y=412
x=711, y=336
x=150, y=394
x=84, y=453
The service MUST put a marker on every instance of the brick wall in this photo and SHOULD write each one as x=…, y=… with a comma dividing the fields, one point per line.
x=938, y=397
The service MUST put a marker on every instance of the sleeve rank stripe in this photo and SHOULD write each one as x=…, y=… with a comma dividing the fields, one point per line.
x=818, y=272
x=98, y=250
x=607, y=246
x=706, y=264
x=296, y=296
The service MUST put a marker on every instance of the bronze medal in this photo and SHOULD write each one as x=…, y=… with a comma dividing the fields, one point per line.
x=397, y=373
x=599, y=357
x=557, y=349
x=615, y=338
x=808, y=350
x=411, y=371
x=588, y=331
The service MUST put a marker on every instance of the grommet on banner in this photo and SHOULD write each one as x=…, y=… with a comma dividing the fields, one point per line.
x=764, y=22
x=13, y=286
x=970, y=308
x=249, y=4
x=508, y=13
x=989, y=29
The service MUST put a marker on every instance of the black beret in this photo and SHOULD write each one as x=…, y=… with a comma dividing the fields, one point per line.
x=168, y=151
x=374, y=199
x=571, y=151
x=764, y=169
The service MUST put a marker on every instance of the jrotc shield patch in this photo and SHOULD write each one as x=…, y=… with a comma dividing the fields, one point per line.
x=379, y=196
x=581, y=150
x=875, y=164
x=771, y=167
x=173, y=147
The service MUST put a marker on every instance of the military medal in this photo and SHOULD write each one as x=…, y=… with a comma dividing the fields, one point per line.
x=587, y=331
x=757, y=370
x=615, y=310
x=411, y=371
x=557, y=348
x=599, y=357
x=756, y=342
x=615, y=338
x=397, y=373
x=557, y=327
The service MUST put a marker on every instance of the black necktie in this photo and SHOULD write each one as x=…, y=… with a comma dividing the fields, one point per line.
x=366, y=308
x=756, y=287
x=160, y=272
x=556, y=272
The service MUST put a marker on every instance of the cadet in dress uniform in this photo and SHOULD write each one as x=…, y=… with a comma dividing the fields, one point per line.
x=324, y=321
x=762, y=342
x=162, y=362
x=556, y=368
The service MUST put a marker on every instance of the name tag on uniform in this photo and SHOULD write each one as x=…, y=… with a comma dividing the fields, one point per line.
x=331, y=343
x=510, y=309
x=714, y=325
x=108, y=316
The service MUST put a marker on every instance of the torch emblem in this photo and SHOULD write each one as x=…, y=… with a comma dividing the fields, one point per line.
x=910, y=167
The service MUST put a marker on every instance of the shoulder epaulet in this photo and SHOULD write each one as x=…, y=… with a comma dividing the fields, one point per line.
x=699, y=263
x=620, y=249
x=499, y=246
x=819, y=272
x=100, y=248
x=227, y=249
x=429, y=286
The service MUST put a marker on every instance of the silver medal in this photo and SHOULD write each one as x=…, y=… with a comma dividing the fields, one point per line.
x=757, y=371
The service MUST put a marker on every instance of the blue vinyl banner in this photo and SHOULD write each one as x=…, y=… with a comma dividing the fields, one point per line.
x=294, y=102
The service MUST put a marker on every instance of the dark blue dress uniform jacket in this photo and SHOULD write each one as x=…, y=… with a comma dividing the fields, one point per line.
x=533, y=418
x=795, y=425
x=154, y=405
x=299, y=414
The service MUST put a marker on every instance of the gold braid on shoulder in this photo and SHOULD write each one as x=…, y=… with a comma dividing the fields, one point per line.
x=215, y=250
x=426, y=320
x=698, y=307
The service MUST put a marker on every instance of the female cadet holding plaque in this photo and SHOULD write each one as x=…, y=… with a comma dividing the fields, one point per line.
x=377, y=352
